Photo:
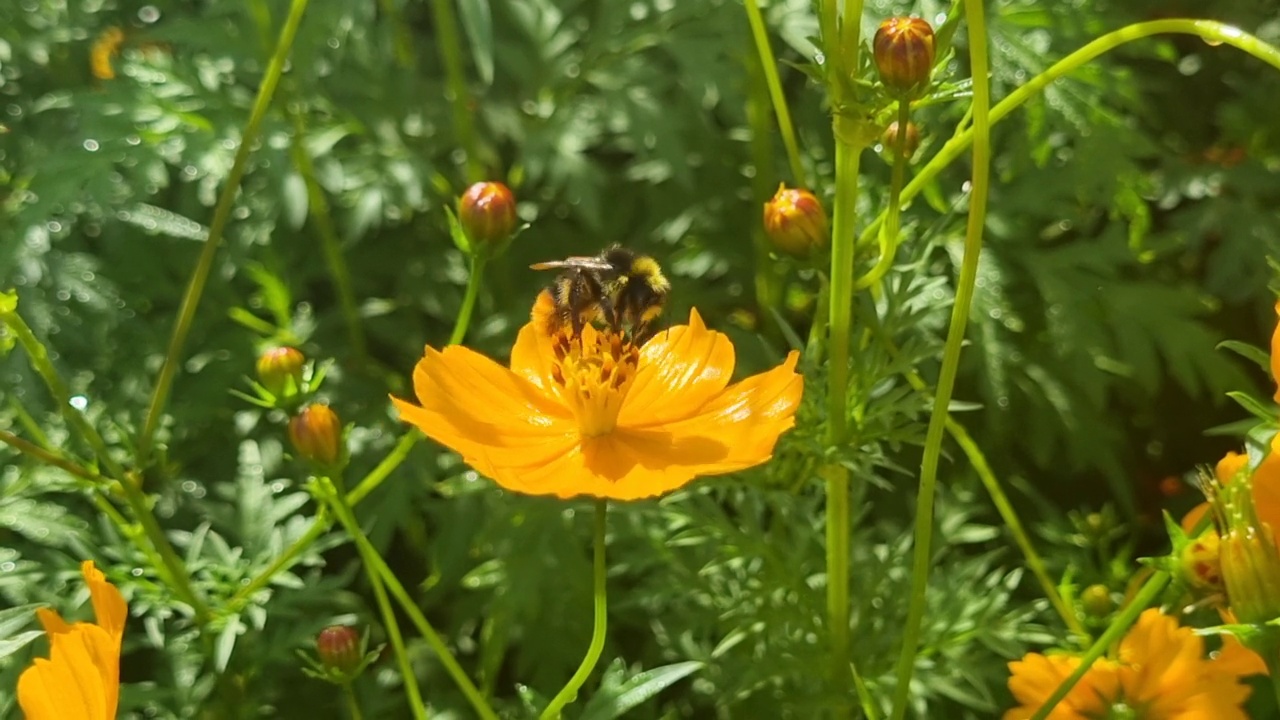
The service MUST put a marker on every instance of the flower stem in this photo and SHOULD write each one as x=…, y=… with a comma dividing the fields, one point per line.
x=889, y=232
x=951, y=354
x=50, y=458
x=1207, y=29
x=282, y=562
x=221, y=214
x=769, y=277
x=768, y=63
x=469, y=299
x=841, y=61
x=353, y=707
x=332, y=494
x=389, y=463
x=458, y=97
x=569, y=692
x=1119, y=626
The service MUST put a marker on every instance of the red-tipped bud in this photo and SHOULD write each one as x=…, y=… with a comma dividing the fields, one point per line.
x=1097, y=601
x=904, y=53
x=890, y=139
x=316, y=434
x=278, y=367
x=795, y=221
x=487, y=211
x=339, y=648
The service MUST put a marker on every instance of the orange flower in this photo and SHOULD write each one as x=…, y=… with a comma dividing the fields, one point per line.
x=596, y=415
x=1161, y=673
x=81, y=678
x=1266, y=485
x=105, y=47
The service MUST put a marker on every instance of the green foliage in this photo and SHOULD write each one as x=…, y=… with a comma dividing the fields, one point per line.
x=1131, y=209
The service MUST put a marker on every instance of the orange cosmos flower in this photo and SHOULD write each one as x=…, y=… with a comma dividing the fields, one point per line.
x=596, y=415
x=1160, y=673
x=81, y=678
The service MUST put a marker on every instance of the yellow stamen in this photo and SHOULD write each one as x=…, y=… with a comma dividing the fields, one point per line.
x=595, y=372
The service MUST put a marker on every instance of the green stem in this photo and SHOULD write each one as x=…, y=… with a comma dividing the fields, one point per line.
x=403, y=40
x=334, y=497
x=221, y=214
x=458, y=97
x=1207, y=29
x=769, y=274
x=282, y=562
x=569, y=692
x=164, y=559
x=469, y=299
x=889, y=233
x=50, y=458
x=770, y=66
x=951, y=354
x=389, y=463
x=1119, y=626
x=842, y=61
x=330, y=246
x=353, y=707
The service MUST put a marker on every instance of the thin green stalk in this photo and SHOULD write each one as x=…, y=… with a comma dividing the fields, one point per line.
x=400, y=32
x=1209, y=30
x=842, y=60
x=569, y=692
x=769, y=274
x=1119, y=626
x=282, y=562
x=353, y=707
x=760, y=36
x=469, y=299
x=164, y=558
x=334, y=497
x=951, y=354
x=889, y=233
x=330, y=246
x=221, y=214
x=50, y=458
x=389, y=463
x=459, y=99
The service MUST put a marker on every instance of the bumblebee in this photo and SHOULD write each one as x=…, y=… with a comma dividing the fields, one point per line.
x=622, y=288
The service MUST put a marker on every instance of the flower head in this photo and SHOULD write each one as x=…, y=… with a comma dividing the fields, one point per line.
x=594, y=414
x=280, y=370
x=890, y=139
x=339, y=648
x=316, y=434
x=1160, y=673
x=795, y=221
x=81, y=678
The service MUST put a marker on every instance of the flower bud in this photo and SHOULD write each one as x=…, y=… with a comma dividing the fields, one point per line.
x=316, y=434
x=278, y=368
x=890, y=139
x=1096, y=600
x=904, y=50
x=1248, y=553
x=795, y=221
x=487, y=212
x=339, y=648
x=1198, y=563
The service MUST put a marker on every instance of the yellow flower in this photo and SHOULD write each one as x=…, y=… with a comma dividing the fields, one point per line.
x=81, y=678
x=1160, y=673
x=596, y=415
x=1266, y=485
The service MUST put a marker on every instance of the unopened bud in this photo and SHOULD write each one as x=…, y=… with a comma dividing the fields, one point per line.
x=1096, y=600
x=280, y=370
x=795, y=221
x=890, y=139
x=904, y=51
x=1199, y=564
x=1248, y=553
x=339, y=648
x=487, y=211
x=316, y=434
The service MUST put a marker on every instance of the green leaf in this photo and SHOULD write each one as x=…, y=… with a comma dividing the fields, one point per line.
x=11, y=619
x=457, y=233
x=17, y=642
x=1248, y=352
x=612, y=702
x=478, y=24
x=1250, y=404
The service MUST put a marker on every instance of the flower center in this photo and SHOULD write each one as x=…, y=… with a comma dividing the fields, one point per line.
x=595, y=369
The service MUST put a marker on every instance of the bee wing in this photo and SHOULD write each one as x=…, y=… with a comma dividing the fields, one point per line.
x=581, y=263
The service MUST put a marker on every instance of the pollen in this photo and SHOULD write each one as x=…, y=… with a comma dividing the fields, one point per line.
x=594, y=371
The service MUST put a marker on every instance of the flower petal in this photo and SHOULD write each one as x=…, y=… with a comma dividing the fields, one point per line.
x=531, y=358
x=603, y=467
x=73, y=683
x=680, y=370
x=744, y=419
x=108, y=604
